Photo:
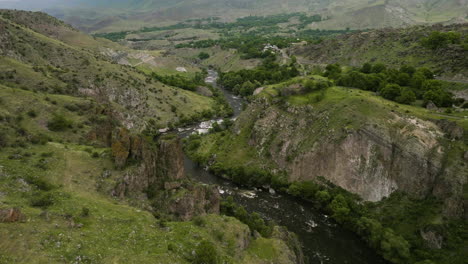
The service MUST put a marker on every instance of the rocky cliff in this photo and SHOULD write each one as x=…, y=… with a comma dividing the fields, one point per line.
x=362, y=143
x=160, y=175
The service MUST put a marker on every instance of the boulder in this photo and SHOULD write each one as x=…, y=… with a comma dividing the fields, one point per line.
x=451, y=129
x=11, y=215
x=432, y=107
x=205, y=91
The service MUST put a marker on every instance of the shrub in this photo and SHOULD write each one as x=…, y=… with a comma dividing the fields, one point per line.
x=84, y=212
x=171, y=247
x=32, y=113
x=199, y=221
x=59, y=123
x=42, y=199
x=203, y=56
x=3, y=139
x=366, y=68
x=206, y=253
x=39, y=139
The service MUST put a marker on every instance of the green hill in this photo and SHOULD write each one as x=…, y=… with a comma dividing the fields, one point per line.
x=85, y=176
x=394, y=47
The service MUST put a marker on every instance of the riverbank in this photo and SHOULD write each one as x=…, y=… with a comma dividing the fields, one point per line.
x=323, y=240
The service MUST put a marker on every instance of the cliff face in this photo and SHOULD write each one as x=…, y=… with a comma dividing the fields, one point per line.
x=371, y=155
x=160, y=174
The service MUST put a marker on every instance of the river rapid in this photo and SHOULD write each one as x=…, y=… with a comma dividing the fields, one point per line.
x=323, y=241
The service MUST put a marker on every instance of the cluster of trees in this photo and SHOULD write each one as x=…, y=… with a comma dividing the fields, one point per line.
x=177, y=80
x=266, y=21
x=439, y=39
x=346, y=209
x=244, y=82
x=250, y=45
x=404, y=85
x=254, y=221
x=244, y=23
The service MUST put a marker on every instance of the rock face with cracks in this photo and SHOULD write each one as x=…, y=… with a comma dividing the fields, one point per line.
x=371, y=155
x=160, y=173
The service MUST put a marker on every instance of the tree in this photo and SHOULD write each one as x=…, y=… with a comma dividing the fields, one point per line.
x=340, y=208
x=247, y=88
x=417, y=80
x=439, y=97
x=435, y=93
x=426, y=72
x=391, y=91
x=366, y=68
x=408, y=69
x=323, y=196
x=438, y=39
x=395, y=248
x=378, y=68
x=332, y=71
x=406, y=96
x=403, y=79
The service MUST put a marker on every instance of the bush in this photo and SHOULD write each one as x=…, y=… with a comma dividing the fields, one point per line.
x=199, y=221
x=84, y=212
x=59, y=123
x=3, y=139
x=378, y=68
x=391, y=91
x=206, y=253
x=32, y=113
x=203, y=56
x=42, y=199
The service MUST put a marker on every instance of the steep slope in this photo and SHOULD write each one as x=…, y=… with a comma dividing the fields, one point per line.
x=382, y=151
x=79, y=180
x=392, y=47
x=67, y=61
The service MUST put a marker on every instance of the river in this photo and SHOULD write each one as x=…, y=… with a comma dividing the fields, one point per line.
x=323, y=241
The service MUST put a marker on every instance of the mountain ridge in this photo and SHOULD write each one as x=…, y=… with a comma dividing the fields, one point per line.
x=356, y=14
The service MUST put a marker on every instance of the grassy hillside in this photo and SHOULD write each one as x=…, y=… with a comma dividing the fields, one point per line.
x=392, y=47
x=63, y=106
x=49, y=56
x=55, y=179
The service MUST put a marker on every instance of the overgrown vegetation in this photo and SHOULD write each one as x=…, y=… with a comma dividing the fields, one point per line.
x=404, y=85
x=254, y=221
x=244, y=82
x=439, y=39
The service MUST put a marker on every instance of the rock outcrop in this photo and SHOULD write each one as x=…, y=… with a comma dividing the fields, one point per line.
x=371, y=155
x=11, y=215
x=160, y=174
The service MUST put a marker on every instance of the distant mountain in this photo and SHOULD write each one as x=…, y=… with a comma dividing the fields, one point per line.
x=101, y=15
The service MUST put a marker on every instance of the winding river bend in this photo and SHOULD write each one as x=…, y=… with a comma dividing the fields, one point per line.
x=322, y=239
